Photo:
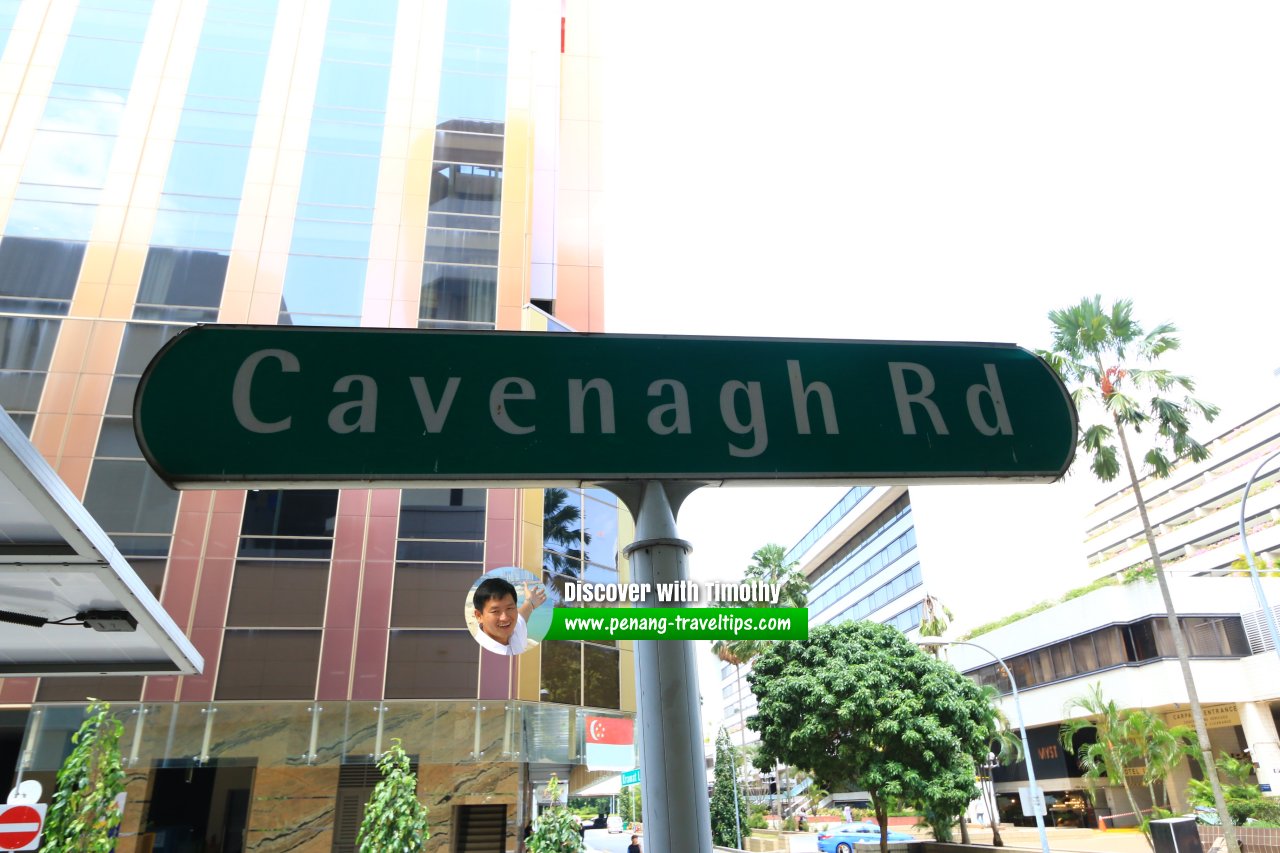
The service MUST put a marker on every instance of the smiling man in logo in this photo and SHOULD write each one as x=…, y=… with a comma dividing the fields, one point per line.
x=503, y=625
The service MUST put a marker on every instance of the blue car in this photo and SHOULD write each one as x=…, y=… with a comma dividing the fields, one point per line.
x=842, y=838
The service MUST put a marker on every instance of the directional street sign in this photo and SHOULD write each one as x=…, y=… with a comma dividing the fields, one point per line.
x=239, y=406
x=630, y=777
x=20, y=825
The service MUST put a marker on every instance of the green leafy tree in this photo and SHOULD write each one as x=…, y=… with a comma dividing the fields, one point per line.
x=1245, y=801
x=861, y=707
x=1161, y=748
x=631, y=805
x=83, y=812
x=1108, y=360
x=1111, y=750
x=729, y=812
x=394, y=819
x=556, y=830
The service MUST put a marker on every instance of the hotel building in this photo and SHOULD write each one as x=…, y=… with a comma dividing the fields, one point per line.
x=375, y=163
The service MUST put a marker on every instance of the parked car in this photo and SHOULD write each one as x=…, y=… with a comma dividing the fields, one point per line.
x=842, y=838
x=614, y=823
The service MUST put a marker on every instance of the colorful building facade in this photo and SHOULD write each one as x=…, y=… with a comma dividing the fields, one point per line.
x=374, y=163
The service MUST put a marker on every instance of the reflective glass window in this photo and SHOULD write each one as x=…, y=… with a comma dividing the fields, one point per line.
x=320, y=291
x=198, y=230
x=562, y=672
x=442, y=514
x=125, y=496
x=1082, y=652
x=141, y=342
x=108, y=688
x=117, y=441
x=466, y=189
x=182, y=277
x=1110, y=647
x=468, y=294
x=275, y=664
x=293, y=512
x=285, y=593
x=431, y=595
x=8, y=12
x=600, y=677
x=38, y=276
x=432, y=665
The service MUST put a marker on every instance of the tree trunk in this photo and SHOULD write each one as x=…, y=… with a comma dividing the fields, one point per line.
x=1180, y=645
x=1133, y=804
x=742, y=722
x=993, y=810
x=964, y=827
x=882, y=817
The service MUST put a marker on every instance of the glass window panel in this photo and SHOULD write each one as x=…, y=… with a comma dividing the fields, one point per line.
x=469, y=147
x=125, y=496
x=442, y=514
x=225, y=74
x=1140, y=641
x=20, y=390
x=466, y=189
x=462, y=247
x=26, y=343
x=197, y=168
x=432, y=595
x=133, y=545
x=340, y=239
x=117, y=439
x=353, y=85
x=193, y=230
x=335, y=213
x=1086, y=659
x=600, y=677
x=43, y=269
x=141, y=342
x=300, y=512
x=467, y=294
x=183, y=277
x=233, y=35
x=269, y=593
x=256, y=546
x=101, y=62
x=199, y=203
x=109, y=688
x=120, y=399
x=1041, y=666
x=323, y=286
x=432, y=665
x=339, y=179
x=343, y=48
x=223, y=128
x=268, y=664
x=1063, y=665
x=466, y=221
x=436, y=551
x=1110, y=647
x=345, y=137
x=50, y=219
x=562, y=672
x=150, y=572
x=1164, y=637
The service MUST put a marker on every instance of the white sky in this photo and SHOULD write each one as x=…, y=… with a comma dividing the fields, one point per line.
x=941, y=171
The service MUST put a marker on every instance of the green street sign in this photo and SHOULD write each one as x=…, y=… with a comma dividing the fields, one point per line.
x=272, y=406
x=630, y=777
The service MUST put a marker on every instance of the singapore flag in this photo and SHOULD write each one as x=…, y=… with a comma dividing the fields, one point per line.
x=610, y=743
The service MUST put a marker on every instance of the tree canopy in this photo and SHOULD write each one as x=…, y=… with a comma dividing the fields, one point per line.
x=860, y=707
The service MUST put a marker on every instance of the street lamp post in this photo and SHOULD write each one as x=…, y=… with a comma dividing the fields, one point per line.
x=1022, y=728
x=1267, y=615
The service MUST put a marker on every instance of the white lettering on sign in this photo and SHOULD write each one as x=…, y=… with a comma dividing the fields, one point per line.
x=367, y=405
x=755, y=427
x=741, y=403
x=577, y=401
x=800, y=401
x=433, y=416
x=498, y=398
x=897, y=369
x=993, y=393
x=240, y=390
x=678, y=408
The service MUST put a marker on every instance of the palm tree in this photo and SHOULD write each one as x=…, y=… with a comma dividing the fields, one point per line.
x=1110, y=751
x=1091, y=350
x=1007, y=749
x=1160, y=746
x=767, y=567
x=563, y=538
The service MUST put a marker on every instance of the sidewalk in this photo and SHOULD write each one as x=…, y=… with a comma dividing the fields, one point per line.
x=1061, y=840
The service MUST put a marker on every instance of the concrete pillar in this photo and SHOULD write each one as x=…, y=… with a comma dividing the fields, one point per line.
x=1263, y=742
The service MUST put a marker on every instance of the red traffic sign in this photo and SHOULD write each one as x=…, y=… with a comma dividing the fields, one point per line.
x=20, y=826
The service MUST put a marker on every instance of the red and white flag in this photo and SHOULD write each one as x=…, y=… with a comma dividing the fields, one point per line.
x=610, y=743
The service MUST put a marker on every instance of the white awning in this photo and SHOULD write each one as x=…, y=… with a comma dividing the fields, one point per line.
x=610, y=786
x=56, y=563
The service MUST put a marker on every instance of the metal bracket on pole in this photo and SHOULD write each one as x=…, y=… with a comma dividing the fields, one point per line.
x=677, y=817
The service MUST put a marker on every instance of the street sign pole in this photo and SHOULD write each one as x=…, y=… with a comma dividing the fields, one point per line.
x=673, y=779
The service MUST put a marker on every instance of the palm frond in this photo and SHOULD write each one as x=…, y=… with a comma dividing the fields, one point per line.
x=1106, y=463
x=1160, y=464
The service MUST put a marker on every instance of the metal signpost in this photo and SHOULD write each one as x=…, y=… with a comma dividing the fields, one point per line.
x=649, y=417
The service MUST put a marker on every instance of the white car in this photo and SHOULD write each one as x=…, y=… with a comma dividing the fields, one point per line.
x=614, y=823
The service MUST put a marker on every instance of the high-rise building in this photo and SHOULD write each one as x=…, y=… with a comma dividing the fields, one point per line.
x=376, y=163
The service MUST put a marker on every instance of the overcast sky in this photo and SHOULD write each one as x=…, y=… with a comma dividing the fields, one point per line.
x=941, y=171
